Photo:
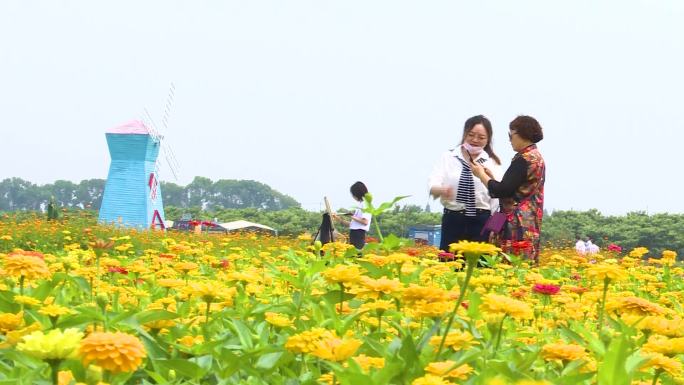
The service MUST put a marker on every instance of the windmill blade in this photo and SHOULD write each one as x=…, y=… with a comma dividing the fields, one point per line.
x=151, y=126
x=167, y=106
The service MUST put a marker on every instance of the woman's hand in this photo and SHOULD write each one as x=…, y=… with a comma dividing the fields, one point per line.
x=480, y=172
x=446, y=192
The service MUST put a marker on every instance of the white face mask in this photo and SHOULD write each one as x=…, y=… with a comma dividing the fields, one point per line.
x=472, y=149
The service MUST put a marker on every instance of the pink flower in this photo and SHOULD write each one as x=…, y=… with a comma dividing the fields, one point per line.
x=546, y=289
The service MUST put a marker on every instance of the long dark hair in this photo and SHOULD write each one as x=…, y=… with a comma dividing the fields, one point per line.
x=474, y=121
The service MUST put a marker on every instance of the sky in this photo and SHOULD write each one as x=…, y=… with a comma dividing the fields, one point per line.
x=311, y=96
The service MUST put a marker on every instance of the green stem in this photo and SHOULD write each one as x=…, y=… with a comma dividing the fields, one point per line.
x=472, y=261
x=606, y=281
x=341, y=297
x=498, y=336
x=655, y=378
x=21, y=285
x=54, y=370
x=377, y=228
x=206, y=321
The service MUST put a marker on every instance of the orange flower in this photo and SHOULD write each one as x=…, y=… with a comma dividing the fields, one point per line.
x=116, y=352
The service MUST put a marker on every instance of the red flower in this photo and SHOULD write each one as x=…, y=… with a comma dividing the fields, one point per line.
x=546, y=289
x=520, y=246
x=445, y=257
x=117, y=269
x=615, y=248
x=465, y=304
x=575, y=277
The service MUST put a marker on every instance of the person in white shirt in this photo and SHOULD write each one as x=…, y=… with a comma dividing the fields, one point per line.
x=466, y=200
x=580, y=246
x=360, y=221
x=591, y=247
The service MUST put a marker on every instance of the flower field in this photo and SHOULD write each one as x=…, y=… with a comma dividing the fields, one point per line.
x=82, y=303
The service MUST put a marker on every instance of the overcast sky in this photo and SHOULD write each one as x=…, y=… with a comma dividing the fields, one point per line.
x=310, y=96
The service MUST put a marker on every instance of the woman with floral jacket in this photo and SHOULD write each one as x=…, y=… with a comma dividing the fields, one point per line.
x=521, y=190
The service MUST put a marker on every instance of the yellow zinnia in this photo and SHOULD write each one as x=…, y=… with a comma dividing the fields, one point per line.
x=494, y=305
x=605, y=271
x=28, y=266
x=55, y=345
x=474, y=248
x=563, y=352
x=336, y=349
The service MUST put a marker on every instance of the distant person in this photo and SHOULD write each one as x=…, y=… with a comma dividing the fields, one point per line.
x=521, y=190
x=580, y=246
x=591, y=247
x=467, y=204
x=359, y=222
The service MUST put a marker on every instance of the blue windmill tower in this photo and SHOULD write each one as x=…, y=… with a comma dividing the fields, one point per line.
x=132, y=195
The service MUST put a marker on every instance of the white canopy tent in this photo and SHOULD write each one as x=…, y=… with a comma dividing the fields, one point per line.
x=246, y=225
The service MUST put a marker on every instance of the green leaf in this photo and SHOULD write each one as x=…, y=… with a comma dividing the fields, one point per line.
x=184, y=368
x=155, y=315
x=268, y=361
x=613, y=371
x=243, y=333
x=333, y=297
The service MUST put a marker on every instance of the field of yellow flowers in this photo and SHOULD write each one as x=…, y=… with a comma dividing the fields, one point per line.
x=82, y=303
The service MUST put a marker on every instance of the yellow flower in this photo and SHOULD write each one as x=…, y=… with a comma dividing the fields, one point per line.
x=494, y=305
x=28, y=266
x=635, y=305
x=659, y=361
x=9, y=321
x=115, y=352
x=375, y=287
x=189, y=341
x=607, y=271
x=379, y=305
x=336, y=349
x=170, y=282
x=563, y=352
x=54, y=310
x=431, y=379
x=65, y=377
x=211, y=291
x=415, y=293
x=456, y=340
x=638, y=252
x=55, y=345
x=14, y=337
x=669, y=347
x=307, y=341
x=342, y=274
x=422, y=309
x=474, y=248
x=444, y=369
x=366, y=362
x=278, y=320
x=26, y=300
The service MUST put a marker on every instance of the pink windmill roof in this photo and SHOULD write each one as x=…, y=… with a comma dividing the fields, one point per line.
x=132, y=127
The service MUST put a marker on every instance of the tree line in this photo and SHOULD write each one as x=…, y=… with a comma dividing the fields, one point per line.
x=657, y=232
x=228, y=200
x=20, y=194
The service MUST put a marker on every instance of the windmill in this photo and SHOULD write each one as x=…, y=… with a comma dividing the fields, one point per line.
x=132, y=195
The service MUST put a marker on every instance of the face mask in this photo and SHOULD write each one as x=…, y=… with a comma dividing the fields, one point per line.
x=472, y=149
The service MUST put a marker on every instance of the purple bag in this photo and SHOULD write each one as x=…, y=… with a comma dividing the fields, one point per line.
x=495, y=223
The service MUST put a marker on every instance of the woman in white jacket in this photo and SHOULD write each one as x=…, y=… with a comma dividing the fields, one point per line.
x=466, y=201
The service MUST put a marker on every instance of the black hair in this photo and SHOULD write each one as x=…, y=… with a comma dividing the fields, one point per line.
x=358, y=190
x=474, y=121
